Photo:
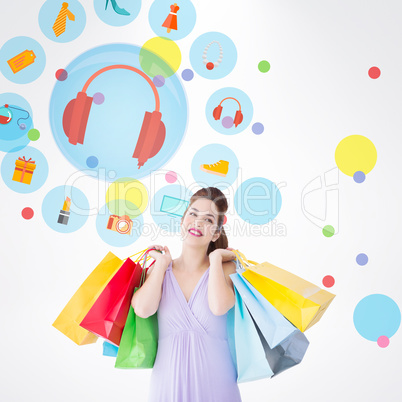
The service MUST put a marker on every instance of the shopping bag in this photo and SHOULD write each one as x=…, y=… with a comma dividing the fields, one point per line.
x=245, y=345
x=109, y=349
x=107, y=316
x=69, y=319
x=284, y=345
x=139, y=342
x=300, y=301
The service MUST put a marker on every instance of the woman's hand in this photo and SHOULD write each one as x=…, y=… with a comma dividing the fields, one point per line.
x=161, y=255
x=224, y=254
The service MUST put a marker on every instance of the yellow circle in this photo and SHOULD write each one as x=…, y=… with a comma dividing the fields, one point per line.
x=355, y=153
x=130, y=190
x=160, y=56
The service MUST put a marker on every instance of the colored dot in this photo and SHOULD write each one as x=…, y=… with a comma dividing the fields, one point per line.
x=159, y=80
x=328, y=231
x=27, y=213
x=98, y=98
x=92, y=161
x=359, y=177
x=160, y=56
x=227, y=122
x=375, y=316
x=355, y=153
x=362, y=259
x=187, y=74
x=264, y=66
x=328, y=281
x=257, y=128
x=61, y=75
x=171, y=177
x=23, y=126
x=33, y=134
x=374, y=72
x=383, y=341
x=210, y=66
x=225, y=220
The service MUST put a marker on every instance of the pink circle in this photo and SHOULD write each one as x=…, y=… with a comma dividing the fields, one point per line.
x=27, y=213
x=227, y=122
x=61, y=74
x=225, y=220
x=383, y=341
x=171, y=177
x=374, y=72
x=328, y=281
x=98, y=98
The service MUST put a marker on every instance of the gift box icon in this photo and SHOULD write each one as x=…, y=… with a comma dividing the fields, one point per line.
x=24, y=170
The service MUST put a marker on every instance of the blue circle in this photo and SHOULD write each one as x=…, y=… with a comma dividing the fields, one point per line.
x=13, y=135
x=112, y=237
x=59, y=219
x=187, y=74
x=185, y=16
x=9, y=171
x=117, y=13
x=168, y=206
x=258, y=201
x=73, y=27
x=257, y=128
x=210, y=155
x=229, y=57
x=362, y=259
x=113, y=127
x=229, y=108
x=376, y=315
x=92, y=162
x=359, y=177
x=27, y=51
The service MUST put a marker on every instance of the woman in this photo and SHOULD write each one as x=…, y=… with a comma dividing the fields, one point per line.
x=192, y=295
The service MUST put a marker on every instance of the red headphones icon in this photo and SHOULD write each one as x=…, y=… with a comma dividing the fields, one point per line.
x=238, y=116
x=153, y=131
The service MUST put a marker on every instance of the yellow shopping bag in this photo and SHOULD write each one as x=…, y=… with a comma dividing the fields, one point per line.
x=300, y=301
x=76, y=309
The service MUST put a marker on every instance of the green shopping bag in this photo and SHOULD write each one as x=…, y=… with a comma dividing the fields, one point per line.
x=139, y=341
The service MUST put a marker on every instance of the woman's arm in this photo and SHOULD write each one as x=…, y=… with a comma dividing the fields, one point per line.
x=221, y=297
x=146, y=299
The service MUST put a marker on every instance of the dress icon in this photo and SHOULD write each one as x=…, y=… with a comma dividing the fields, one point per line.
x=193, y=361
x=171, y=20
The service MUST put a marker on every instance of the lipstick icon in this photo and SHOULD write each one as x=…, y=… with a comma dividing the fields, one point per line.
x=65, y=212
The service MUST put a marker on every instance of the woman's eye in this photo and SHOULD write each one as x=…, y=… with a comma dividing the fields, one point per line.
x=209, y=220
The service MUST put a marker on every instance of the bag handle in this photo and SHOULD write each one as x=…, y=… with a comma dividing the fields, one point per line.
x=243, y=260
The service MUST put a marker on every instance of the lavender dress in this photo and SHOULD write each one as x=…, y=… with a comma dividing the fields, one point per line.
x=193, y=363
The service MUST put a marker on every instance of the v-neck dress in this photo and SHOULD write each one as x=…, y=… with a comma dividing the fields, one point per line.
x=193, y=362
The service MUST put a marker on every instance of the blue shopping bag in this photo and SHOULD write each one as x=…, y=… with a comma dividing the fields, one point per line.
x=245, y=345
x=284, y=345
x=109, y=349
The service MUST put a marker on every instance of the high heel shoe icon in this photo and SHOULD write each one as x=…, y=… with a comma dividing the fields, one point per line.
x=116, y=8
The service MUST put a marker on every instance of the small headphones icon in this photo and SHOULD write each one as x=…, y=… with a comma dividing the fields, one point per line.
x=238, y=116
x=153, y=131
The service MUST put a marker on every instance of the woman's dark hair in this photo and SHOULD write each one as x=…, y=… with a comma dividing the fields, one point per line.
x=219, y=199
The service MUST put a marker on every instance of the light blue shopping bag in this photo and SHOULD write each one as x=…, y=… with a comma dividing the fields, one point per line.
x=284, y=345
x=245, y=345
x=109, y=349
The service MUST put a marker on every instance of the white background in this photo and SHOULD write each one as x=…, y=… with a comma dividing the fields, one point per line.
x=316, y=93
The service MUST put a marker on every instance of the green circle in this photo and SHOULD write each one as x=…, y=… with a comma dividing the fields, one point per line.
x=33, y=134
x=264, y=66
x=328, y=231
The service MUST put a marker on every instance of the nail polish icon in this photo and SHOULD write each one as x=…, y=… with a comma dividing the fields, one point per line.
x=116, y=8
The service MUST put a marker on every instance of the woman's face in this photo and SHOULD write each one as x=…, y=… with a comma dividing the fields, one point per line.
x=200, y=223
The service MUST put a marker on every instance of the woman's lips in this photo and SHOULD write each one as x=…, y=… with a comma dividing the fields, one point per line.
x=195, y=233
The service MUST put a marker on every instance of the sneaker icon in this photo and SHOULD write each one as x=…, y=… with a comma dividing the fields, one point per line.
x=219, y=168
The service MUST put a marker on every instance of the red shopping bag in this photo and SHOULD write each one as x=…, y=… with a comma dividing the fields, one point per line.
x=108, y=315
